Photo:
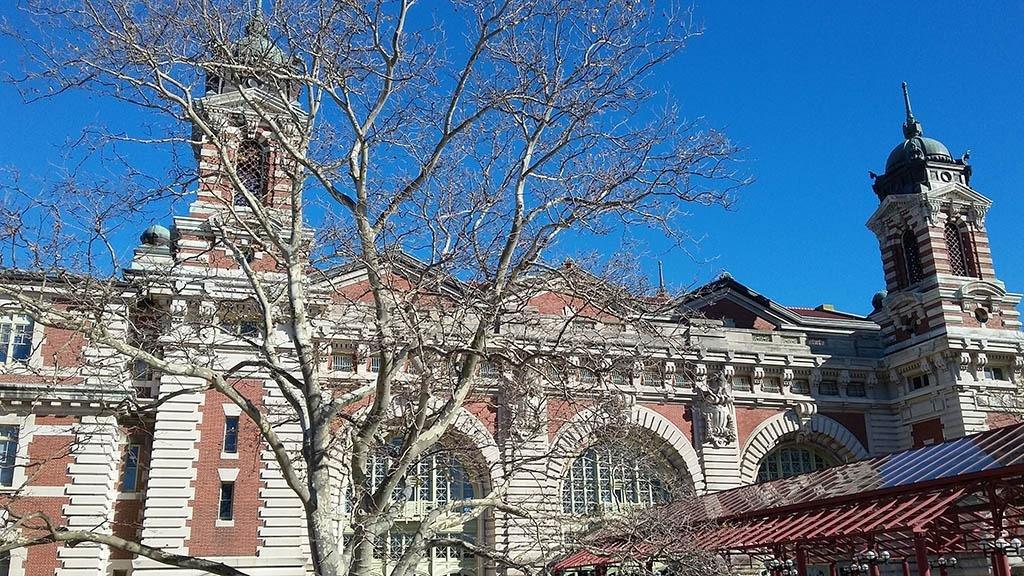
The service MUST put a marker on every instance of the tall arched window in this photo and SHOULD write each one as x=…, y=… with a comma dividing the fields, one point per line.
x=912, y=257
x=961, y=262
x=606, y=478
x=437, y=479
x=792, y=459
x=252, y=169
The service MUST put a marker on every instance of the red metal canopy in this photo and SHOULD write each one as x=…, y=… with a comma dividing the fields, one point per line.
x=940, y=499
x=582, y=559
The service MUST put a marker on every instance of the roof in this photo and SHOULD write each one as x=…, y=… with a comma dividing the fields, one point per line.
x=823, y=313
x=960, y=458
x=726, y=286
x=917, y=148
x=943, y=493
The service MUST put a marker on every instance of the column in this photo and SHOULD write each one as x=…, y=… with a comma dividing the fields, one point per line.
x=921, y=555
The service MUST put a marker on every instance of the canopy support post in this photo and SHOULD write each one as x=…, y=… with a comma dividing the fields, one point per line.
x=921, y=554
x=801, y=562
x=833, y=570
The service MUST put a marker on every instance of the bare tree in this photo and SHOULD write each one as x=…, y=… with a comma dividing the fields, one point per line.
x=425, y=169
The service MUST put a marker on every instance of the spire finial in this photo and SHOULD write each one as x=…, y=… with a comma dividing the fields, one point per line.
x=911, y=127
x=661, y=278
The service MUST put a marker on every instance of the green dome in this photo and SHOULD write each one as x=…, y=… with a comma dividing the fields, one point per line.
x=156, y=235
x=915, y=145
x=257, y=46
x=918, y=148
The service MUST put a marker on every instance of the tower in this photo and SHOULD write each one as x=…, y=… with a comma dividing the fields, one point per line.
x=247, y=116
x=950, y=329
x=244, y=125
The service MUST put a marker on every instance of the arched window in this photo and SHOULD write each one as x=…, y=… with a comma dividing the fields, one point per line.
x=961, y=262
x=792, y=459
x=912, y=257
x=252, y=169
x=607, y=478
x=437, y=479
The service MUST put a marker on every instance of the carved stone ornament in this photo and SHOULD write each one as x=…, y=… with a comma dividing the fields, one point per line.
x=803, y=412
x=758, y=375
x=523, y=398
x=716, y=407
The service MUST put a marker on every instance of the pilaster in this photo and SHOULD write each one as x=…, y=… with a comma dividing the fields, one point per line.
x=91, y=493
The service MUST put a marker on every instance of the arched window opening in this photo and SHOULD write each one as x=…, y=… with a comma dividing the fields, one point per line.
x=610, y=477
x=912, y=257
x=437, y=479
x=792, y=459
x=252, y=169
x=961, y=262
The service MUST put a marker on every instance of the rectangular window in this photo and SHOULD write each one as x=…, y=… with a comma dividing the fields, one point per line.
x=227, y=501
x=856, y=390
x=771, y=384
x=8, y=454
x=801, y=387
x=231, y=435
x=343, y=362
x=828, y=388
x=587, y=376
x=130, y=476
x=488, y=370
x=741, y=384
x=680, y=380
x=141, y=370
x=919, y=381
x=249, y=329
x=374, y=363
x=994, y=373
x=15, y=339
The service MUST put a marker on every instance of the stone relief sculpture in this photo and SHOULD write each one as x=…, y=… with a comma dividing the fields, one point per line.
x=716, y=405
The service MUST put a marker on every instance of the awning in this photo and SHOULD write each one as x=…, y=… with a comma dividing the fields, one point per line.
x=582, y=559
x=907, y=513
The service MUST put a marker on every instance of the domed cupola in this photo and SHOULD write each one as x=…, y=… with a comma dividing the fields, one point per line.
x=915, y=145
x=905, y=168
x=258, y=52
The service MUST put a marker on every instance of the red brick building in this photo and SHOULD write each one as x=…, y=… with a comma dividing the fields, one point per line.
x=803, y=387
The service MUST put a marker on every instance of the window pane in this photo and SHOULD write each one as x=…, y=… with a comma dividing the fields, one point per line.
x=5, y=339
x=791, y=460
x=9, y=438
x=22, y=345
x=605, y=478
x=251, y=167
x=342, y=362
x=130, y=478
x=227, y=497
x=231, y=434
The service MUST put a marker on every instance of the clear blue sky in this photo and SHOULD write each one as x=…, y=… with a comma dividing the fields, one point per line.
x=811, y=90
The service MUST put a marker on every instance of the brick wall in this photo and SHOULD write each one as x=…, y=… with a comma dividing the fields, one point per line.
x=926, y=432
x=855, y=422
x=240, y=538
x=749, y=418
